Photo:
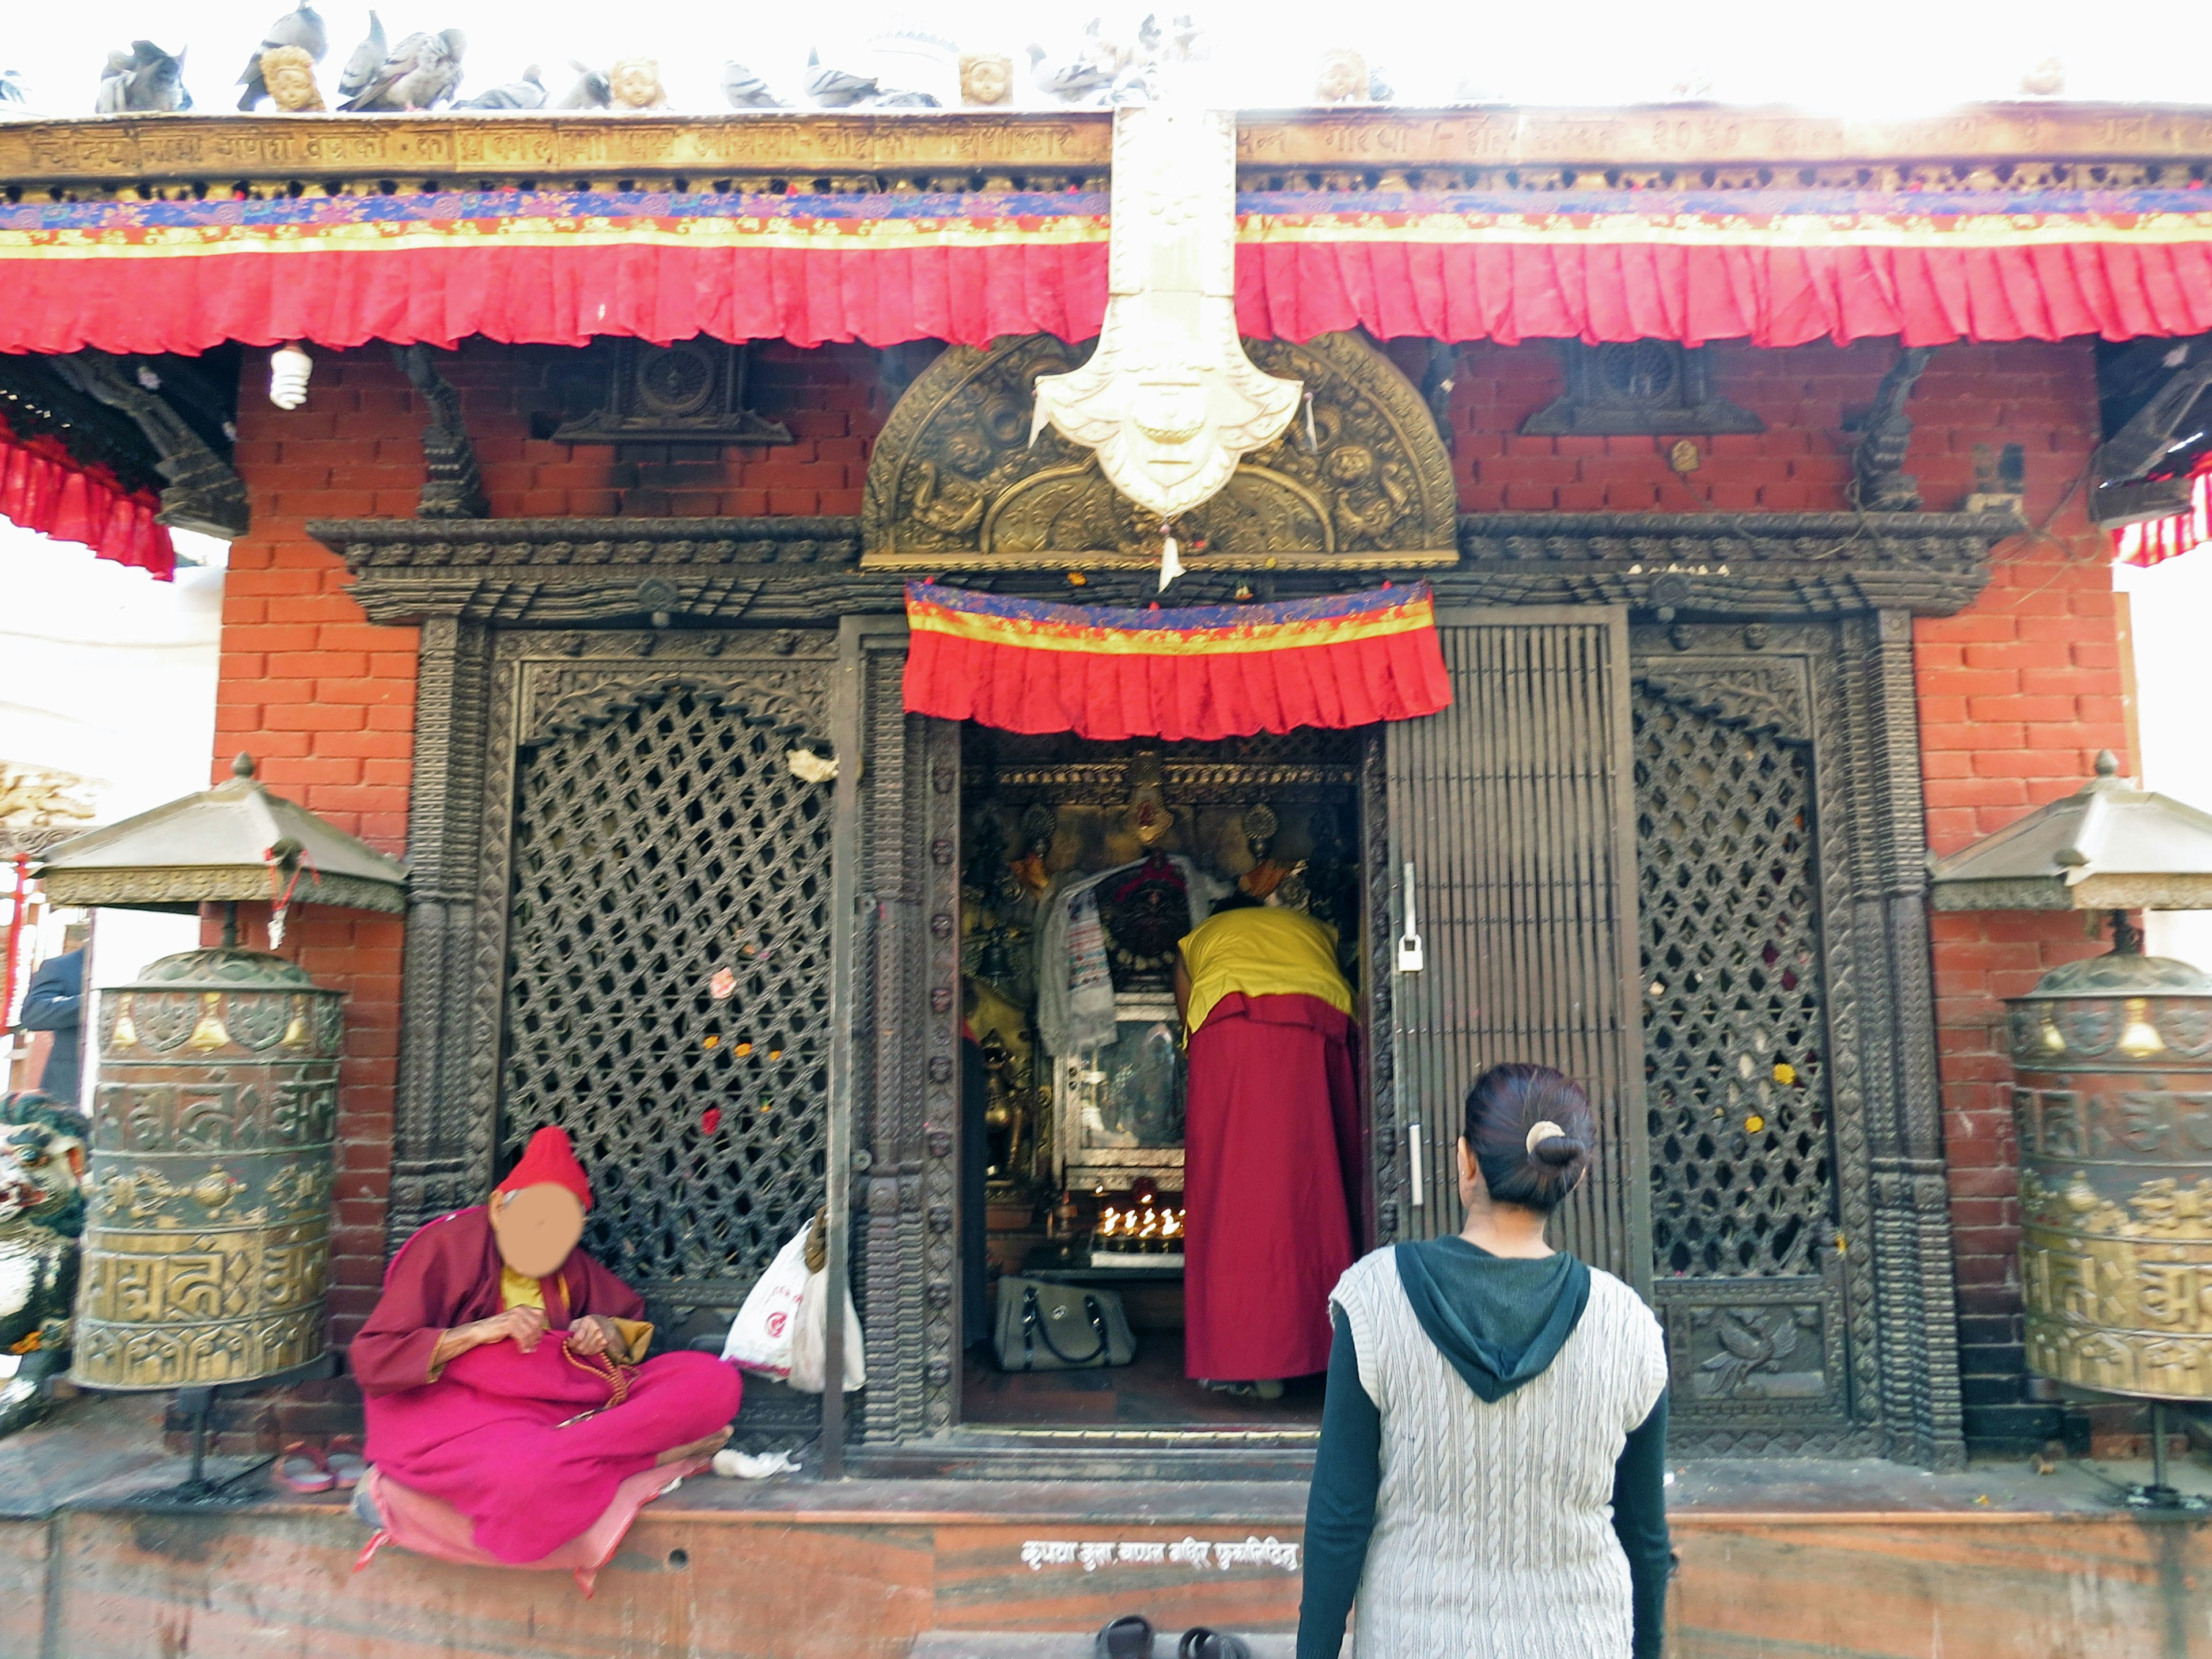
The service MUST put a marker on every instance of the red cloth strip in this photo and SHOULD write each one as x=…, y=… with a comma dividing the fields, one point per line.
x=2154, y=541
x=1771, y=295
x=1126, y=694
x=44, y=488
x=552, y=295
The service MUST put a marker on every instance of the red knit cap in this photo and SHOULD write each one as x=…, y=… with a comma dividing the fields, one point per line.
x=548, y=1158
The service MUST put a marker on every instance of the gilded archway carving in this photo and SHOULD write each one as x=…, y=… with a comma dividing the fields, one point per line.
x=1361, y=477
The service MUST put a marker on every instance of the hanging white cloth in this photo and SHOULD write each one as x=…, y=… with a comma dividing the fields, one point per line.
x=1075, y=985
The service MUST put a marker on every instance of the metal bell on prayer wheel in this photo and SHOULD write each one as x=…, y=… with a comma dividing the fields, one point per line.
x=207, y=1233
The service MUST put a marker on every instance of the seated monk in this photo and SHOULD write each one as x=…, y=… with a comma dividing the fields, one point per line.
x=488, y=1369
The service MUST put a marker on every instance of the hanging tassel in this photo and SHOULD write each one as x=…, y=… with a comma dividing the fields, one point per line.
x=1170, y=559
x=1313, y=442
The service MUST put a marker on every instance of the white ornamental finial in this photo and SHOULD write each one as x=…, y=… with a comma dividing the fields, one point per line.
x=1168, y=400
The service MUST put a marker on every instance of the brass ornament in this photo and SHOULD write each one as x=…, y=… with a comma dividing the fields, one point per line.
x=288, y=72
x=1342, y=77
x=633, y=83
x=987, y=78
x=1361, y=479
x=207, y=1233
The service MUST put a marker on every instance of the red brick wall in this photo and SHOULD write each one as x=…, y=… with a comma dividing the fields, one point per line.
x=2018, y=693
x=2017, y=696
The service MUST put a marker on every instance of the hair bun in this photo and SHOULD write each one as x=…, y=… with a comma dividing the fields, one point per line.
x=1557, y=1149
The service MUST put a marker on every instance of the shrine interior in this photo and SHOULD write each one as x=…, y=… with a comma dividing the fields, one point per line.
x=1073, y=1161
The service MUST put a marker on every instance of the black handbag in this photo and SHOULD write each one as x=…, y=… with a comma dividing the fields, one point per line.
x=1059, y=1327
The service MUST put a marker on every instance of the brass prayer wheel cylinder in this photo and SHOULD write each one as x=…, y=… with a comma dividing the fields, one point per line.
x=207, y=1231
x=2112, y=1059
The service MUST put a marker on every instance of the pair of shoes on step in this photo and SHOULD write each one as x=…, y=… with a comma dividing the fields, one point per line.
x=302, y=1467
x=1130, y=1636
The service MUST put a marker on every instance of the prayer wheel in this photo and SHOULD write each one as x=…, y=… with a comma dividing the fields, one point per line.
x=207, y=1235
x=2112, y=1059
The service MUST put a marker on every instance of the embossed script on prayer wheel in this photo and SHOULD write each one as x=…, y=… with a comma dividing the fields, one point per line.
x=2113, y=1096
x=207, y=1236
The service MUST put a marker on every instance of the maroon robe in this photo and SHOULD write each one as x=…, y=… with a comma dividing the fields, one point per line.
x=1271, y=1148
x=494, y=1433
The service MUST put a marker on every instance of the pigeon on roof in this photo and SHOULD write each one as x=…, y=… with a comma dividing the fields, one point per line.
x=528, y=93
x=301, y=27
x=592, y=91
x=421, y=72
x=744, y=89
x=145, y=78
x=361, y=65
x=834, y=89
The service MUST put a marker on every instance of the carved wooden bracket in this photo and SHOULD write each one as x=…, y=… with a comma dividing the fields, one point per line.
x=1880, y=481
x=453, y=487
x=204, y=493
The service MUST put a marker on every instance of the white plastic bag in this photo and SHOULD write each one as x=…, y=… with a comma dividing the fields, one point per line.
x=810, y=1353
x=760, y=1339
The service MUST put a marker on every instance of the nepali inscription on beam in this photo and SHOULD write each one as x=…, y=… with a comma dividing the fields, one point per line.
x=1168, y=400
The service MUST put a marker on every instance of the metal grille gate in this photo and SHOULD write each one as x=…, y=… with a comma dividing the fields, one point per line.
x=652, y=848
x=1736, y=1039
x=1511, y=808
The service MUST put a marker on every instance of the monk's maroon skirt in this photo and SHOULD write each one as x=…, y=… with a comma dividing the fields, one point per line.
x=1271, y=1150
x=525, y=1445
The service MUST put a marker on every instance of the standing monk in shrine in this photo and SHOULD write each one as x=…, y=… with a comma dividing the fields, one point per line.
x=1270, y=1146
x=490, y=1369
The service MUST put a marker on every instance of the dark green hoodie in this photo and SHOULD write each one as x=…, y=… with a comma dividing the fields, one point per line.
x=1500, y=1322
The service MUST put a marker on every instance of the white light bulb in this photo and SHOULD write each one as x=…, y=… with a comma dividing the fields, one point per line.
x=288, y=369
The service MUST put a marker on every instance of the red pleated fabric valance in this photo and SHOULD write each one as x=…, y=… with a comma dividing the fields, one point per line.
x=1212, y=671
x=1777, y=267
x=44, y=488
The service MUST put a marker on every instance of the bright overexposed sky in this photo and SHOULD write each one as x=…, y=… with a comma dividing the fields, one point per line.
x=108, y=674
x=1874, y=58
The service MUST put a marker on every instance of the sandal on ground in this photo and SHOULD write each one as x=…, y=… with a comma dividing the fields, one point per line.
x=1199, y=1642
x=301, y=1468
x=1268, y=1387
x=1129, y=1637
x=345, y=1462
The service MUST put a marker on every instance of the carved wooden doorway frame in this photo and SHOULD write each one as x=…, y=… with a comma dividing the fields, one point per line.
x=773, y=590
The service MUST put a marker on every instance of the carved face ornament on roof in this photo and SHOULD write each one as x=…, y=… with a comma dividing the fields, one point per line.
x=1168, y=400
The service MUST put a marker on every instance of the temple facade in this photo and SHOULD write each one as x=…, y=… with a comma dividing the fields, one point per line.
x=1749, y=460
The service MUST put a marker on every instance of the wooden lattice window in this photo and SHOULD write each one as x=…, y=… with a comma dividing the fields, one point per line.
x=652, y=849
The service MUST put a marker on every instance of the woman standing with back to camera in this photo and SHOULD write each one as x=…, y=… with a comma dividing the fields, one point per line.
x=1491, y=1481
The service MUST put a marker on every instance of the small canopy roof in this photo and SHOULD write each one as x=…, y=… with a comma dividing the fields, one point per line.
x=234, y=841
x=2108, y=846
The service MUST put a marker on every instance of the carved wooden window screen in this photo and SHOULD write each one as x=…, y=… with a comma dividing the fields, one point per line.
x=650, y=850
x=1734, y=1017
